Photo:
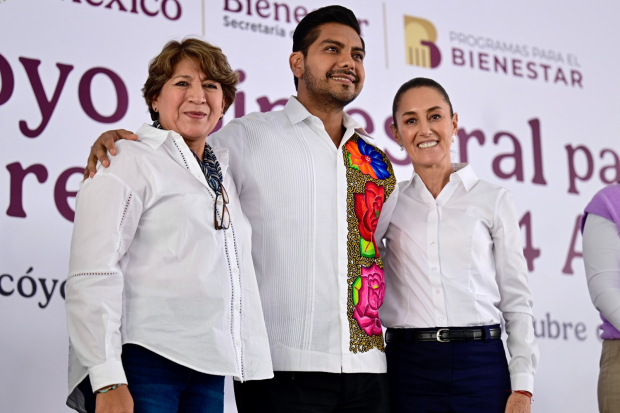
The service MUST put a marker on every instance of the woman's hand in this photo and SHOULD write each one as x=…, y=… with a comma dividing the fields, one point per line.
x=519, y=403
x=105, y=142
x=118, y=400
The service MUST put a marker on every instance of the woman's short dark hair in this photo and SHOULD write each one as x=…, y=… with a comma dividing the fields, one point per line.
x=307, y=31
x=417, y=83
x=213, y=63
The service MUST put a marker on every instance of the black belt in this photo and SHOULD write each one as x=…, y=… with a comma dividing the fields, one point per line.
x=443, y=335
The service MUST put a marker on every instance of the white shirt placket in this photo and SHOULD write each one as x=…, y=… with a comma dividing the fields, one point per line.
x=434, y=268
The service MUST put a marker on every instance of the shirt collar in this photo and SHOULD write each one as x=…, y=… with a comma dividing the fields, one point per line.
x=297, y=112
x=156, y=137
x=152, y=136
x=463, y=171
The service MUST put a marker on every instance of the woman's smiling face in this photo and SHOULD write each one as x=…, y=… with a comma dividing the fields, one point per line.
x=425, y=127
x=189, y=103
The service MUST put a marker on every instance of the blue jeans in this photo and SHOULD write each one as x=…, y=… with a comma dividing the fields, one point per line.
x=159, y=385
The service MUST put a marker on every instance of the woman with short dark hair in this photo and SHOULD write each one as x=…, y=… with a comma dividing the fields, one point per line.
x=454, y=267
x=162, y=300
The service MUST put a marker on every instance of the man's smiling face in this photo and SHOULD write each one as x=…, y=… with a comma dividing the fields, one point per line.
x=333, y=69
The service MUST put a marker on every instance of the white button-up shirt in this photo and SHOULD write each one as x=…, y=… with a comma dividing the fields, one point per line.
x=457, y=261
x=298, y=191
x=148, y=267
x=601, y=256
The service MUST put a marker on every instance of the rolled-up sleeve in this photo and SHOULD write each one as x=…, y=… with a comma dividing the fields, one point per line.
x=516, y=299
x=107, y=215
x=601, y=257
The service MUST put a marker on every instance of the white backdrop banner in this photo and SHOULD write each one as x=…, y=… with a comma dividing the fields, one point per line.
x=532, y=81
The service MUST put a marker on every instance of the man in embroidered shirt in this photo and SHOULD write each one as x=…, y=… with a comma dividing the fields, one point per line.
x=313, y=188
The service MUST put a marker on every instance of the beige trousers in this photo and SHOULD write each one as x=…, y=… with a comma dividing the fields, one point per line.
x=609, y=378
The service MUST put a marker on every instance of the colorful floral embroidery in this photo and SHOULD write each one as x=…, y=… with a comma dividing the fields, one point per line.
x=370, y=182
x=367, y=159
x=368, y=293
x=368, y=209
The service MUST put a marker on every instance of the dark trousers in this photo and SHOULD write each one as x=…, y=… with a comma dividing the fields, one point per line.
x=454, y=377
x=314, y=392
x=158, y=385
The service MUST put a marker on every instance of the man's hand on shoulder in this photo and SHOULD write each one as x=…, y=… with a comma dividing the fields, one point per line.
x=103, y=144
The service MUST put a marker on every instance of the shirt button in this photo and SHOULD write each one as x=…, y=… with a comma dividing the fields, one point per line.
x=229, y=234
x=434, y=268
x=441, y=318
x=438, y=291
x=238, y=342
x=236, y=270
x=433, y=243
x=237, y=307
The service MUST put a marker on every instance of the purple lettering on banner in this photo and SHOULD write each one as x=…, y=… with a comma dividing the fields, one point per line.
x=277, y=7
x=18, y=174
x=572, y=173
x=122, y=98
x=7, y=79
x=147, y=11
x=4, y=292
x=61, y=195
x=464, y=138
x=532, y=74
x=121, y=7
x=483, y=62
x=457, y=57
x=164, y=9
x=94, y=3
x=266, y=106
x=260, y=6
x=398, y=161
x=572, y=252
x=227, y=8
x=134, y=6
x=615, y=167
x=546, y=67
x=370, y=126
x=300, y=12
x=529, y=251
x=517, y=155
x=575, y=78
x=559, y=76
x=501, y=63
x=46, y=107
x=516, y=67
x=46, y=292
x=537, y=149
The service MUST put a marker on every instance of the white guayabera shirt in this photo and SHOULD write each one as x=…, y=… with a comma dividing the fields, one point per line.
x=314, y=208
x=457, y=261
x=148, y=267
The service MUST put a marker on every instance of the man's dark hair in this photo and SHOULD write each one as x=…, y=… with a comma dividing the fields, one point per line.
x=417, y=83
x=307, y=31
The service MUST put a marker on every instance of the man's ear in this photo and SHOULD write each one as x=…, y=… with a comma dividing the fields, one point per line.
x=396, y=134
x=296, y=63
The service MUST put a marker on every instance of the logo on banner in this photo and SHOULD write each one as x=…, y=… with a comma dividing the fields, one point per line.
x=420, y=47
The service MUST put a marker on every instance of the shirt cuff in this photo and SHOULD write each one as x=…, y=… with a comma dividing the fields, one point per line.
x=106, y=374
x=522, y=381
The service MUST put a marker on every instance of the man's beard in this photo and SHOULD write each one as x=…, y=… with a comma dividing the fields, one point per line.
x=327, y=99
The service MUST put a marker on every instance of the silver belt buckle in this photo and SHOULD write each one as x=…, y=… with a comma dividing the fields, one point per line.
x=438, y=336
